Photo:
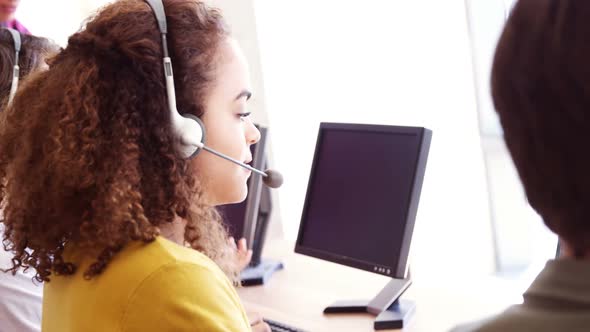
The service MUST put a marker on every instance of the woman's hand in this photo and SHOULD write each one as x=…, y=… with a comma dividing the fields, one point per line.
x=257, y=323
x=243, y=254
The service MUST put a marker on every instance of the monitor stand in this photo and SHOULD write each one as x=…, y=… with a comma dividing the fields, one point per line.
x=259, y=273
x=391, y=312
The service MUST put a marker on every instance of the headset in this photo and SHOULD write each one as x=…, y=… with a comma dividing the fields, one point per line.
x=15, y=72
x=189, y=129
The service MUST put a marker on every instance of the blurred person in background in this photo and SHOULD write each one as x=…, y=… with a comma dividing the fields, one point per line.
x=20, y=298
x=33, y=53
x=7, y=16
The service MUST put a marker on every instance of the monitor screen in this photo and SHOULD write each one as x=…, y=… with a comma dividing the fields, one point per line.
x=359, y=195
x=234, y=216
x=241, y=219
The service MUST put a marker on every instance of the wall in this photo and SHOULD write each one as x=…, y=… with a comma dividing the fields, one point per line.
x=386, y=62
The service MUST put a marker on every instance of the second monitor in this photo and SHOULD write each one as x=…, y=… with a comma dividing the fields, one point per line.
x=249, y=219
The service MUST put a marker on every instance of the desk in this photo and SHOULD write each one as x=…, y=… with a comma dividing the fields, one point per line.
x=298, y=294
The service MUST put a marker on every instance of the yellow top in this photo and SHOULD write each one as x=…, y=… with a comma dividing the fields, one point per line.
x=159, y=286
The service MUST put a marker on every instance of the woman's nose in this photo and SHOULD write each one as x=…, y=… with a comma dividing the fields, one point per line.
x=252, y=134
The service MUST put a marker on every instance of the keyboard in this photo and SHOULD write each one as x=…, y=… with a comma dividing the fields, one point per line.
x=280, y=327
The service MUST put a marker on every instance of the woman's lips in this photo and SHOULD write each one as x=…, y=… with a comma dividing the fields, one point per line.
x=8, y=9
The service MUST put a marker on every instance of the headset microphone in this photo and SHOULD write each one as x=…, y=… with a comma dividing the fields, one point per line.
x=270, y=177
x=188, y=128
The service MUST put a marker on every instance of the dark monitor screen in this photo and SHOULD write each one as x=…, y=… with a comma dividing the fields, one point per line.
x=359, y=195
x=248, y=218
x=234, y=216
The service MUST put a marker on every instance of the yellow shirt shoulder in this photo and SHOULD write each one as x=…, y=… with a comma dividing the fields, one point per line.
x=159, y=286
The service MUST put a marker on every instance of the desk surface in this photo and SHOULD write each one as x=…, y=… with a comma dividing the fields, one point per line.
x=298, y=294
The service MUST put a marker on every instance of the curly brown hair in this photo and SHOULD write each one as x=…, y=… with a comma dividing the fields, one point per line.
x=87, y=152
x=34, y=51
x=541, y=90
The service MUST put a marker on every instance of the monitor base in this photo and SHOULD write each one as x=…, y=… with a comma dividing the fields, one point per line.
x=396, y=316
x=259, y=274
x=391, y=312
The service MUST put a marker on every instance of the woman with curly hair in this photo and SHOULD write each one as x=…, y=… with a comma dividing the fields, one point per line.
x=98, y=200
x=20, y=299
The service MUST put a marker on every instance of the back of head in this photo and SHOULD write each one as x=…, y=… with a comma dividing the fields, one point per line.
x=88, y=154
x=34, y=51
x=541, y=90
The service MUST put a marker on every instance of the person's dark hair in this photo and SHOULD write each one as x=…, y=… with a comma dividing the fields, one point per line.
x=88, y=156
x=541, y=91
x=34, y=51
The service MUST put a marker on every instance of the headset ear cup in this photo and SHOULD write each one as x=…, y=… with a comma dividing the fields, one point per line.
x=202, y=128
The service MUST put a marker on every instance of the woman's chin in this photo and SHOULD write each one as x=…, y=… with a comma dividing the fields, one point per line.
x=237, y=197
x=242, y=196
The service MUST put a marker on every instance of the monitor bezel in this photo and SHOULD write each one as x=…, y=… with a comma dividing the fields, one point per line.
x=399, y=271
x=257, y=205
x=255, y=188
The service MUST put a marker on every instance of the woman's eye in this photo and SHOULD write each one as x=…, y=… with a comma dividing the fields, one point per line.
x=244, y=115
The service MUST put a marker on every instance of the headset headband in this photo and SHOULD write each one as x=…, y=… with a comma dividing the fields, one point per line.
x=15, y=72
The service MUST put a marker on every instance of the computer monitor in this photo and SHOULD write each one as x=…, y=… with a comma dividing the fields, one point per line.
x=249, y=219
x=360, y=207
